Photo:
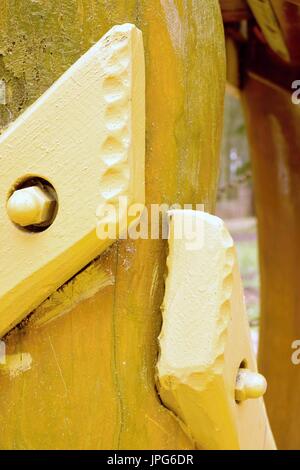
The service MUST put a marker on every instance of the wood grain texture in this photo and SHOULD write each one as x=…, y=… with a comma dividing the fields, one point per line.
x=273, y=127
x=91, y=382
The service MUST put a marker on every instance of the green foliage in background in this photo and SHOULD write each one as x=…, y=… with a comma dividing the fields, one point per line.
x=235, y=162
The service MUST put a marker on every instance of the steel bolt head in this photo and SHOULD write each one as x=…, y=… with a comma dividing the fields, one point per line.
x=249, y=385
x=31, y=206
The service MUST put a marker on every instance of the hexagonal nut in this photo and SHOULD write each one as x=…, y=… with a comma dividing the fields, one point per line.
x=31, y=206
x=249, y=385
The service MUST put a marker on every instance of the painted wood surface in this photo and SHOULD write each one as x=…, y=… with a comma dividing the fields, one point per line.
x=86, y=137
x=205, y=339
x=273, y=127
x=83, y=364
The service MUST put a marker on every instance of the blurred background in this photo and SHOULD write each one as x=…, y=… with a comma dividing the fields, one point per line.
x=235, y=204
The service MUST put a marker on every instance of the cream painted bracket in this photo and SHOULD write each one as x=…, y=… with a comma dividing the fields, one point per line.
x=86, y=137
x=207, y=372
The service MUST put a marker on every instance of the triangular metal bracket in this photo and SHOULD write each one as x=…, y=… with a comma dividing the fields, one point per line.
x=86, y=137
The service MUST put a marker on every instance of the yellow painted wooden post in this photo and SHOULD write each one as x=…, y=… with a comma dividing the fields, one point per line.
x=81, y=368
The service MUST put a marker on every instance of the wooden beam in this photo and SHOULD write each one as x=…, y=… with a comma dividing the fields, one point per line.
x=260, y=61
x=234, y=10
x=273, y=122
x=288, y=14
x=268, y=22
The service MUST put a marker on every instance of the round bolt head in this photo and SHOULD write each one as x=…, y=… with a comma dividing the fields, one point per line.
x=249, y=385
x=31, y=206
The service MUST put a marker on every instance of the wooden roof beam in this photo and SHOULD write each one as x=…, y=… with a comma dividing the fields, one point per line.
x=234, y=10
